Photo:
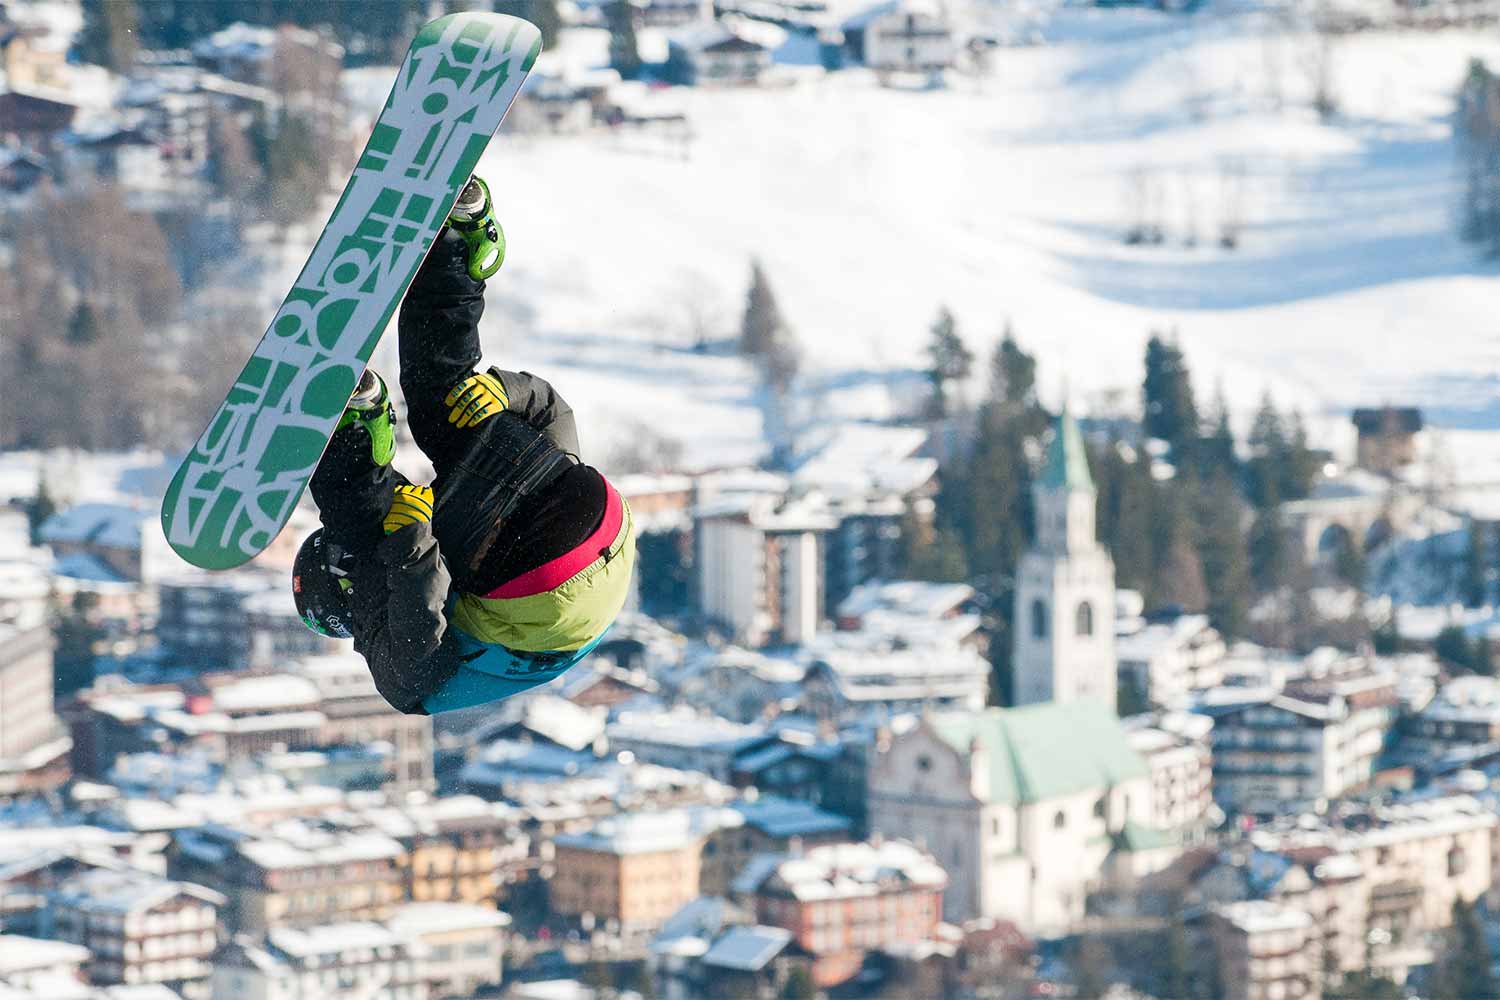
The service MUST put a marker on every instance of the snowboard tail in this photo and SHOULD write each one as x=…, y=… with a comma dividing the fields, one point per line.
x=239, y=484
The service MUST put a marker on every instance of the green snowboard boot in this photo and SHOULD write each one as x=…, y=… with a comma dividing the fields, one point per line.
x=473, y=218
x=371, y=408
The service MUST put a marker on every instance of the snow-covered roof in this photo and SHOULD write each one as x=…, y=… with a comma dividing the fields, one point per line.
x=842, y=871
x=645, y=833
x=417, y=919
x=239, y=41
x=265, y=693
x=683, y=727
x=781, y=818
x=19, y=954
x=1260, y=916
x=105, y=524
x=747, y=949
x=126, y=891
x=914, y=597
x=331, y=939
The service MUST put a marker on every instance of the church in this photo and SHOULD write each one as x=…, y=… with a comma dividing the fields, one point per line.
x=1030, y=808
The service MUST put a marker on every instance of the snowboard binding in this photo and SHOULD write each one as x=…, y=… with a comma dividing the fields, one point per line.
x=473, y=218
x=371, y=408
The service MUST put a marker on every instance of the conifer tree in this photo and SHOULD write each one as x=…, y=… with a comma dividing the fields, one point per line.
x=1476, y=565
x=761, y=326
x=1170, y=413
x=41, y=507
x=1216, y=451
x=764, y=336
x=83, y=326
x=951, y=359
x=109, y=36
x=1268, y=450
x=1462, y=972
x=1225, y=559
x=1182, y=576
x=1269, y=549
x=624, y=50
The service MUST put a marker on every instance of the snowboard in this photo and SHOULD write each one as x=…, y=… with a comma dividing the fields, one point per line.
x=239, y=484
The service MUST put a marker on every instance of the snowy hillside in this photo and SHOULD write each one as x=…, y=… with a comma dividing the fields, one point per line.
x=1007, y=197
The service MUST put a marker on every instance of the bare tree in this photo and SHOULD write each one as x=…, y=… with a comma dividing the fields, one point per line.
x=703, y=313
x=1232, y=174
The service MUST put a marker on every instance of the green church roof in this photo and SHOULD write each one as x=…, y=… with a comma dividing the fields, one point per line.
x=1045, y=751
x=1067, y=465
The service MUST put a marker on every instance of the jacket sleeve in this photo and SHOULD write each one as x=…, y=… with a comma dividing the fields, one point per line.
x=535, y=401
x=399, y=625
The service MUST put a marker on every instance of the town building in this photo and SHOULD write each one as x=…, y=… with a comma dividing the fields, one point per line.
x=877, y=679
x=300, y=873
x=357, y=959
x=34, y=963
x=842, y=901
x=713, y=53
x=1387, y=439
x=685, y=740
x=461, y=946
x=459, y=849
x=769, y=825
x=1064, y=628
x=1178, y=753
x=1165, y=661
x=901, y=36
x=138, y=928
x=634, y=870
x=124, y=539
x=1026, y=822
x=34, y=744
x=1465, y=714
x=320, y=703
x=1299, y=750
x=233, y=621
x=1265, y=951
x=760, y=571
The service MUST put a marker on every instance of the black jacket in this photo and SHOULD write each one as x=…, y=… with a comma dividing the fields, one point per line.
x=399, y=592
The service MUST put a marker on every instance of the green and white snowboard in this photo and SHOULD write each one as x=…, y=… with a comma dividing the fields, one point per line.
x=238, y=486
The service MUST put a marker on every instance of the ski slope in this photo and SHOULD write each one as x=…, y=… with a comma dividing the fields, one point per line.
x=1005, y=198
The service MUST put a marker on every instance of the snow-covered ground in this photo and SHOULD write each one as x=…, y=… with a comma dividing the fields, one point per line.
x=1006, y=197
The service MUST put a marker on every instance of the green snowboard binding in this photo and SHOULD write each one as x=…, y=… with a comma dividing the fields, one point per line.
x=371, y=408
x=473, y=218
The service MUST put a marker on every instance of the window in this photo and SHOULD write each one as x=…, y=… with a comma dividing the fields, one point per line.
x=1084, y=618
x=924, y=763
x=1060, y=820
x=1457, y=862
x=1039, y=619
x=1099, y=807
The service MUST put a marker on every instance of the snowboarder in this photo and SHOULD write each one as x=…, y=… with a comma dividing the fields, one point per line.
x=510, y=566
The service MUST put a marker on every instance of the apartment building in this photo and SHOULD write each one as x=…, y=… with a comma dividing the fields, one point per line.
x=1265, y=951
x=342, y=960
x=1299, y=750
x=462, y=946
x=631, y=871
x=840, y=901
x=459, y=849
x=299, y=873
x=139, y=928
x=1178, y=754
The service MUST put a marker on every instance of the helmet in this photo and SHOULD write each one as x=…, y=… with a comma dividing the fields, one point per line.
x=321, y=586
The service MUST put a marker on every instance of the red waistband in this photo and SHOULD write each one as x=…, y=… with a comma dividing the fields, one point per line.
x=555, y=572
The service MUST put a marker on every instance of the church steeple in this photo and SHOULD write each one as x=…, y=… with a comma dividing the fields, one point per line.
x=1063, y=496
x=1067, y=466
x=1065, y=588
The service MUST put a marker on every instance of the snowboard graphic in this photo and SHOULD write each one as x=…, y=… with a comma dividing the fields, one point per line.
x=239, y=484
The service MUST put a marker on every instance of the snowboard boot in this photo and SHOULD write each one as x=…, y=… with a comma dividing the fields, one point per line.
x=473, y=218
x=371, y=408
